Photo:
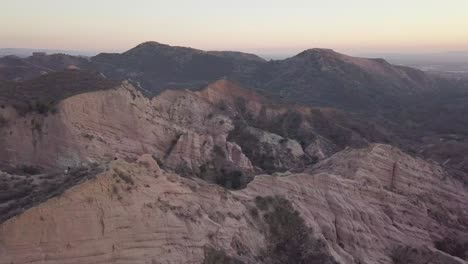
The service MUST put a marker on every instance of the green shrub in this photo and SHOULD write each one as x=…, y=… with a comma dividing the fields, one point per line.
x=224, y=174
x=42, y=107
x=289, y=238
x=158, y=160
x=213, y=256
x=253, y=212
x=219, y=151
x=222, y=105
x=3, y=121
x=263, y=203
x=30, y=169
x=453, y=247
x=87, y=136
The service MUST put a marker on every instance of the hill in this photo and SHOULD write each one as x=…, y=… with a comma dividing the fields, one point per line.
x=97, y=169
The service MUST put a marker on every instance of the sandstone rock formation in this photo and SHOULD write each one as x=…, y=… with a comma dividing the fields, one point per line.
x=101, y=125
x=184, y=130
x=417, y=110
x=358, y=203
x=114, y=176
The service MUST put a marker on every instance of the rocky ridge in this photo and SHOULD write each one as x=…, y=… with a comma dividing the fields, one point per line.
x=184, y=130
x=233, y=175
x=155, y=216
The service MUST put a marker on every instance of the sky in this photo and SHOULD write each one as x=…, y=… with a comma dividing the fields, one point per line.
x=259, y=26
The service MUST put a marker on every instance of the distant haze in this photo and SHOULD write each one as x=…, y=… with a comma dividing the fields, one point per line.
x=260, y=26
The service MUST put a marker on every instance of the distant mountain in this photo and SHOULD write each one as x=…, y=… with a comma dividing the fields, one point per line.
x=252, y=171
x=327, y=78
x=158, y=66
x=416, y=107
x=13, y=68
x=48, y=89
x=23, y=53
x=451, y=64
x=318, y=76
x=113, y=176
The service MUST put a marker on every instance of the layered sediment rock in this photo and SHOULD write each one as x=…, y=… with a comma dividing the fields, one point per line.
x=102, y=125
x=357, y=202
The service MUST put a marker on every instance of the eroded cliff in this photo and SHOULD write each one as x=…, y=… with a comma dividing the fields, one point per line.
x=356, y=207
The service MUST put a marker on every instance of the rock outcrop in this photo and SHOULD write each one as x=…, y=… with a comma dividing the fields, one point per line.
x=119, y=123
x=361, y=208
x=184, y=130
x=94, y=170
x=408, y=103
x=124, y=184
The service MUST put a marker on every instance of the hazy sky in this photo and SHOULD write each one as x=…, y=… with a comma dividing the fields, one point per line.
x=263, y=26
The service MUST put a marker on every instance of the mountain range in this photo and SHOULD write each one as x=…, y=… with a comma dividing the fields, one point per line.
x=416, y=109
x=167, y=154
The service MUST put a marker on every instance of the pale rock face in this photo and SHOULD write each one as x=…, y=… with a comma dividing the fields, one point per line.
x=180, y=128
x=102, y=125
x=277, y=153
x=193, y=150
x=156, y=217
x=290, y=146
x=354, y=200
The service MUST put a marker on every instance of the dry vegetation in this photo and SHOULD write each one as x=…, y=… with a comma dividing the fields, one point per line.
x=290, y=241
x=25, y=186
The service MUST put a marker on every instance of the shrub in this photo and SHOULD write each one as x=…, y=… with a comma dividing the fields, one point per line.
x=253, y=212
x=224, y=174
x=219, y=151
x=42, y=107
x=236, y=178
x=214, y=256
x=183, y=169
x=241, y=105
x=263, y=203
x=87, y=136
x=36, y=126
x=158, y=160
x=222, y=105
x=3, y=121
x=30, y=169
x=288, y=236
x=125, y=177
x=397, y=256
x=453, y=247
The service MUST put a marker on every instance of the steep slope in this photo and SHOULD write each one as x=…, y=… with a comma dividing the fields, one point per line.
x=103, y=125
x=327, y=78
x=360, y=214
x=437, y=121
x=417, y=111
x=158, y=66
x=203, y=133
x=41, y=94
x=317, y=76
x=97, y=171
x=275, y=135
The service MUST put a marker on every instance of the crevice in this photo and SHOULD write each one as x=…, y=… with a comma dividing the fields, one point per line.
x=173, y=144
x=393, y=176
